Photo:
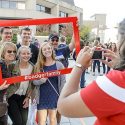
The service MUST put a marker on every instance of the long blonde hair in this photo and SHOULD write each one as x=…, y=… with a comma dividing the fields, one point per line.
x=4, y=47
x=41, y=58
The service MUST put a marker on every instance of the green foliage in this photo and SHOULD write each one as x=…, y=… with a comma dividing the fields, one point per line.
x=85, y=33
x=45, y=33
x=14, y=39
x=68, y=39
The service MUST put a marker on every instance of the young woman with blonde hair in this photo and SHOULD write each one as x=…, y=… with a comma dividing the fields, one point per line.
x=19, y=101
x=48, y=92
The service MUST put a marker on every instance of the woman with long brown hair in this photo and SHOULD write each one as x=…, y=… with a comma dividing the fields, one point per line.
x=48, y=88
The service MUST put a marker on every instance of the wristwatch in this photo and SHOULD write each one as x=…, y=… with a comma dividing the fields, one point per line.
x=80, y=66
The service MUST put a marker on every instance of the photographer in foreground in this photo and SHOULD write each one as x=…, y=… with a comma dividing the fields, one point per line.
x=105, y=96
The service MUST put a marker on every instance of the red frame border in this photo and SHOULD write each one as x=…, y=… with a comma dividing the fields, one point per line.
x=38, y=22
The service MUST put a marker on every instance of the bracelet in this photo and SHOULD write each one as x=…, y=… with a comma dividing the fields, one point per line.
x=80, y=66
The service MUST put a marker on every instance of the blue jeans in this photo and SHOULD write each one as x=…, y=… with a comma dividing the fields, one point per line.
x=82, y=80
x=94, y=65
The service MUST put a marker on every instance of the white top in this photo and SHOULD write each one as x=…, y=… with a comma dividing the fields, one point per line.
x=24, y=85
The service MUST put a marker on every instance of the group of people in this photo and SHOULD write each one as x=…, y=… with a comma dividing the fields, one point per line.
x=103, y=98
x=24, y=59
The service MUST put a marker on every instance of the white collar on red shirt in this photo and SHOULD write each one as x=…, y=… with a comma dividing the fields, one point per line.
x=110, y=88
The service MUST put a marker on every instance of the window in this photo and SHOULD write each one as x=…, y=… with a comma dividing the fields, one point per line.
x=21, y=5
x=42, y=8
x=63, y=14
x=47, y=10
x=0, y=4
x=5, y=4
x=38, y=7
x=12, y=4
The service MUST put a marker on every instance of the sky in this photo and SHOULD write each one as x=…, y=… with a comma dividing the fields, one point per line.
x=115, y=9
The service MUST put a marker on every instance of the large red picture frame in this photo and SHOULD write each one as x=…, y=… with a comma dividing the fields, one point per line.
x=29, y=22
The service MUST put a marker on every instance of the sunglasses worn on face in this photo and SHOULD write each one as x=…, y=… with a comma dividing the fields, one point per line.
x=54, y=40
x=10, y=51
x=7, y=33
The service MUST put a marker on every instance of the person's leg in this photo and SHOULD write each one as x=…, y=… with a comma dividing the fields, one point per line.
x=94, y=65
x=103, y=65
x=98, y=64
x=3, y=120
x=42, y=115
x=82, y=81
x=13, y=110
x=58, y=117
x=23, y=111
x=52, y=116
x=108, y=69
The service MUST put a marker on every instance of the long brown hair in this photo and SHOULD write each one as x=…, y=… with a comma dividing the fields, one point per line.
x=41, y=58
x=121, y=49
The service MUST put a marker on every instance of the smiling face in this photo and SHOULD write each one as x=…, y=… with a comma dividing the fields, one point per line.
x=24, y=54
x=6, y=35
x=9, y=53
x=26, y=35
x=54, y=42
x=47, y=50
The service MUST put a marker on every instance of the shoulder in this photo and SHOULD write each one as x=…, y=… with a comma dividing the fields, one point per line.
x=33, y=46
x=59, y=64
x=63, y=48
x=117, y=77
x=18, y=45
x=31, y=63
x=13, y=64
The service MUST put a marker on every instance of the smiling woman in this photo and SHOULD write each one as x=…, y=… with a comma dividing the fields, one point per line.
x=20, y=98
x=48, y=89
x=7, y=55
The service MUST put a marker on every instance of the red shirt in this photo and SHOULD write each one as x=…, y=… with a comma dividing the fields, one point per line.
x=108, y=109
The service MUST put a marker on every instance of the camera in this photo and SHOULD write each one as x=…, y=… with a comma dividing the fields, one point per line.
x=98, y=54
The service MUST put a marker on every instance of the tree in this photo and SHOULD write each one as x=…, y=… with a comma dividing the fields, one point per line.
x=85, y=33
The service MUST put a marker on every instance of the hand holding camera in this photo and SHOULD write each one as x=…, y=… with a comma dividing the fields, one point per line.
x=113, y=56
x=98, y=54
x=84, y=56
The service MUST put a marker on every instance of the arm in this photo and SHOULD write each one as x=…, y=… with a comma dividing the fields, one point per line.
x=70, y=99
x=4, y=86
x=40, y=81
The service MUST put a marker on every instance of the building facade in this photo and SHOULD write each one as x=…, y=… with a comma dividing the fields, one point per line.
x=98, y=25
x=34, y=9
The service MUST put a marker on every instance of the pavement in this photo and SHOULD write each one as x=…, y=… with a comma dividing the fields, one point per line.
x=78, y=121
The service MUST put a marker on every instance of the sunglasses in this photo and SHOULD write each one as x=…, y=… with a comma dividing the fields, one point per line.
x=8, y=33
x=56, y=40
x=10, y=51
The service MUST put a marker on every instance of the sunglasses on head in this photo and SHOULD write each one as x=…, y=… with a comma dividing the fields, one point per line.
x=11, y=51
